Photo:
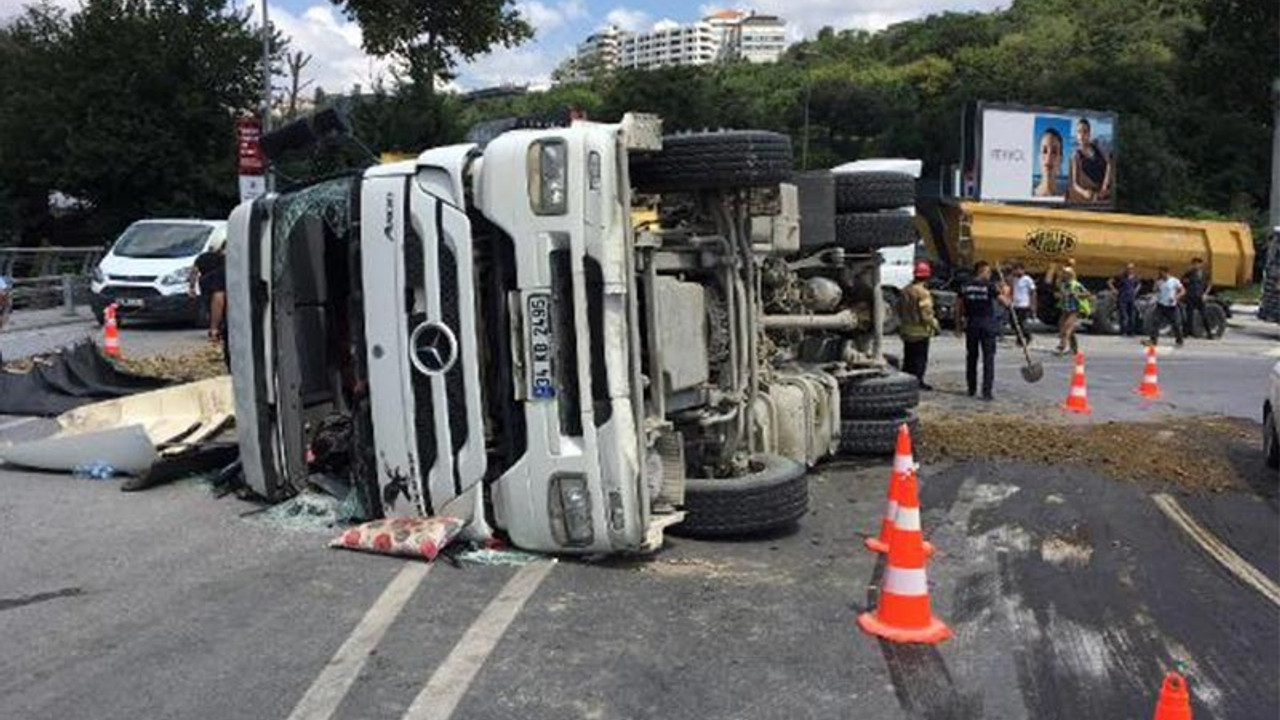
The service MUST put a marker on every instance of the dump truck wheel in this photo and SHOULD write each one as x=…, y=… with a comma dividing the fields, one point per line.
x=1106, y=315
x=702, y=161
x=1212, y=325
x=874, y=437
x=878, y=398
x=874, y=191
x=773, y=497
x=872, y=231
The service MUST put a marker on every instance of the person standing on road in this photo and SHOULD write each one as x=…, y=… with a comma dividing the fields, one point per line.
x=209, y=274
x=1074, y=301
x=917, y=323
x=1025, y=305
x=1169, y=292
x=976, y=318
x=1126, y=286
x=1196, y=282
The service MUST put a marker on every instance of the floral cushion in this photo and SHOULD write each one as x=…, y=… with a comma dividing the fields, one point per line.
x=407, y=537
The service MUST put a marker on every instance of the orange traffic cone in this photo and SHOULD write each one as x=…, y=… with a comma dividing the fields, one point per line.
x=1150, y=387
x=110, y=332
x=903, y=465
x=1078, y=396
x=1174, y=702
x=903, y=614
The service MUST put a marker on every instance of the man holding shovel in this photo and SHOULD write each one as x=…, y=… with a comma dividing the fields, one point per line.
x=976, y=317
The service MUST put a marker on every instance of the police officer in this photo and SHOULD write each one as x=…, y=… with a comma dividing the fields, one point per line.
x=976, y=317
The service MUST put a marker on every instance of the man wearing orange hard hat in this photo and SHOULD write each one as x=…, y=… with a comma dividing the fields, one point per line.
x=917, y=323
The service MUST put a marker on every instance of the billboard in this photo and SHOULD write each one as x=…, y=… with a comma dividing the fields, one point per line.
x=1026, y=154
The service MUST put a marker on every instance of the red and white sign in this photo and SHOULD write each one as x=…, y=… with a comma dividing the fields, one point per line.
x=248, y=138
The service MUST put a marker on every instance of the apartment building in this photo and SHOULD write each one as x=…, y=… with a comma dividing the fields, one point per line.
x=722, y=36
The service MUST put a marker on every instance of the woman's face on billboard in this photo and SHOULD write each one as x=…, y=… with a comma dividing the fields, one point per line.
x=1050, y=155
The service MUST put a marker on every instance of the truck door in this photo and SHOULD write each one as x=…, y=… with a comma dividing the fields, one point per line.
x=420, y=328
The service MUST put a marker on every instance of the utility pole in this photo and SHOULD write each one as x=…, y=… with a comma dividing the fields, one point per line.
x=266, y=85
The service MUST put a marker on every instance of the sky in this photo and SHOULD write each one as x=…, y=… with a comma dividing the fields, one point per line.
x=318, y=27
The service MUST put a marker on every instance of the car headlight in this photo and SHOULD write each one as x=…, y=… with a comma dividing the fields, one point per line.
x=548, y=172
x=98, y=275
x=571, y=511
x=180, y=276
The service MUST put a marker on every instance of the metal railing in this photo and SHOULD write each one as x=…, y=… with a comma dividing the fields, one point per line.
x=48, y=276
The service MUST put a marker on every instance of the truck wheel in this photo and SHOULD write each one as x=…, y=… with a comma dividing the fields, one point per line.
x=891, y=322
x=874, y=191
x=874, y=437
x=1212, y=325
x=772, y=497
x=701, y=161
x=872, y=231
x=875, y=398
x=1106, y=315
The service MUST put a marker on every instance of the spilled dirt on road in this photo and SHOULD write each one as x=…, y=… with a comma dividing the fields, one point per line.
x=1191, y=453
x=199, y=364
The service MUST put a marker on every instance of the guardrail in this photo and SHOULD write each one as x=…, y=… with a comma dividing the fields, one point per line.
x=48, y=276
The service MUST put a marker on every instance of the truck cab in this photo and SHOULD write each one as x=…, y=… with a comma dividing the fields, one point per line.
x=502, y=340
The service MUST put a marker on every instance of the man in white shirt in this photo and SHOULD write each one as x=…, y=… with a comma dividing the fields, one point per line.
x=1169, y=292
x=1024, y=299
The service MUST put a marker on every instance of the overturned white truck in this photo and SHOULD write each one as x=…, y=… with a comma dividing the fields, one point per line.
x=576, y=336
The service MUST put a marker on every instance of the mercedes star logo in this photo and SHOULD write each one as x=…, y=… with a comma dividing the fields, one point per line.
x=433, y=348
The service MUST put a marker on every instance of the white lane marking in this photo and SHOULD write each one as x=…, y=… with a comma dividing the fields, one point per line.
x=331, y=686
x=17, y=423
x=1217, y=549
x=449, y=683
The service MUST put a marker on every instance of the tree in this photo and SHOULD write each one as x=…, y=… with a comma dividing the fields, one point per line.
x=296, y=63
x=431, y=37
x=127, y=105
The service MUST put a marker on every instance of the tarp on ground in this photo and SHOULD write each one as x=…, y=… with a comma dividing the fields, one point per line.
x=67, y=379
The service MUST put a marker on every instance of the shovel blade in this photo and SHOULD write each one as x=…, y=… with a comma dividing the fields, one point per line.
x=1032, y=372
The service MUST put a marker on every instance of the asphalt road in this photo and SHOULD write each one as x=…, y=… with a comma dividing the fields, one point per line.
x=1069, y=595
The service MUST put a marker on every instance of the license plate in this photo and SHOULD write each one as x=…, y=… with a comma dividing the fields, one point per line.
x=130, y=302
x=541, y=342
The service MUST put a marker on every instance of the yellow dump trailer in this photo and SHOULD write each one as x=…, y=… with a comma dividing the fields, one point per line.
x=1099, y=244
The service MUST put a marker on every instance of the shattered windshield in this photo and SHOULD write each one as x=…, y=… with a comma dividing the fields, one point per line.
x=327, y=202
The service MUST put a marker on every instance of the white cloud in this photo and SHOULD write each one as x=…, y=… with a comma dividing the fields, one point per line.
x=806, y=17
x=628, y=19
x=525, y=65
x=547, y=18
x=334, y=43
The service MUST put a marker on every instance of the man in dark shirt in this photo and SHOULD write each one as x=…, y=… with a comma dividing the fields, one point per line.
x=1126, y=286
x=976, y=316
x=210, y=275
x=1196, y=281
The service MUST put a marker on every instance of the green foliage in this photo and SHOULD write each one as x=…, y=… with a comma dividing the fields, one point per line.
x=128, y=105
x=431, y=37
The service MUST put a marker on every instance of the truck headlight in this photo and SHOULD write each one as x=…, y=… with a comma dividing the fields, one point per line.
x=98, y=275
x=548, y=174
x=181, y=276
x=571, y=511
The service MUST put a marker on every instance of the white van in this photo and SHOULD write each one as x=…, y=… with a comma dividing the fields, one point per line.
x=147, y=271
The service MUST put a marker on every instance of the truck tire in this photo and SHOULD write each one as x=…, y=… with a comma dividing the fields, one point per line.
x=773, y=497
x=878, y=398
x=872, y=231
x=874, y=191
x=1106, y=315
x=701, y=161
x=874, y=437
x=1212, y=325
x=891, y=321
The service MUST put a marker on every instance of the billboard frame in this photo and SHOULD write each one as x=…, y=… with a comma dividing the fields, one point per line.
x=971, y=130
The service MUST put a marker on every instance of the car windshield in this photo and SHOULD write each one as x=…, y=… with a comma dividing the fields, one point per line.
x=162, y=240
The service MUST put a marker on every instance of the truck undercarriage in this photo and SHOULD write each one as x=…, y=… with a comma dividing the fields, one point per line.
x=578, y=337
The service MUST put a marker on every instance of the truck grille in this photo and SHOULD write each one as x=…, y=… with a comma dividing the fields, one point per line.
x=424, y=423
x=565, y=362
